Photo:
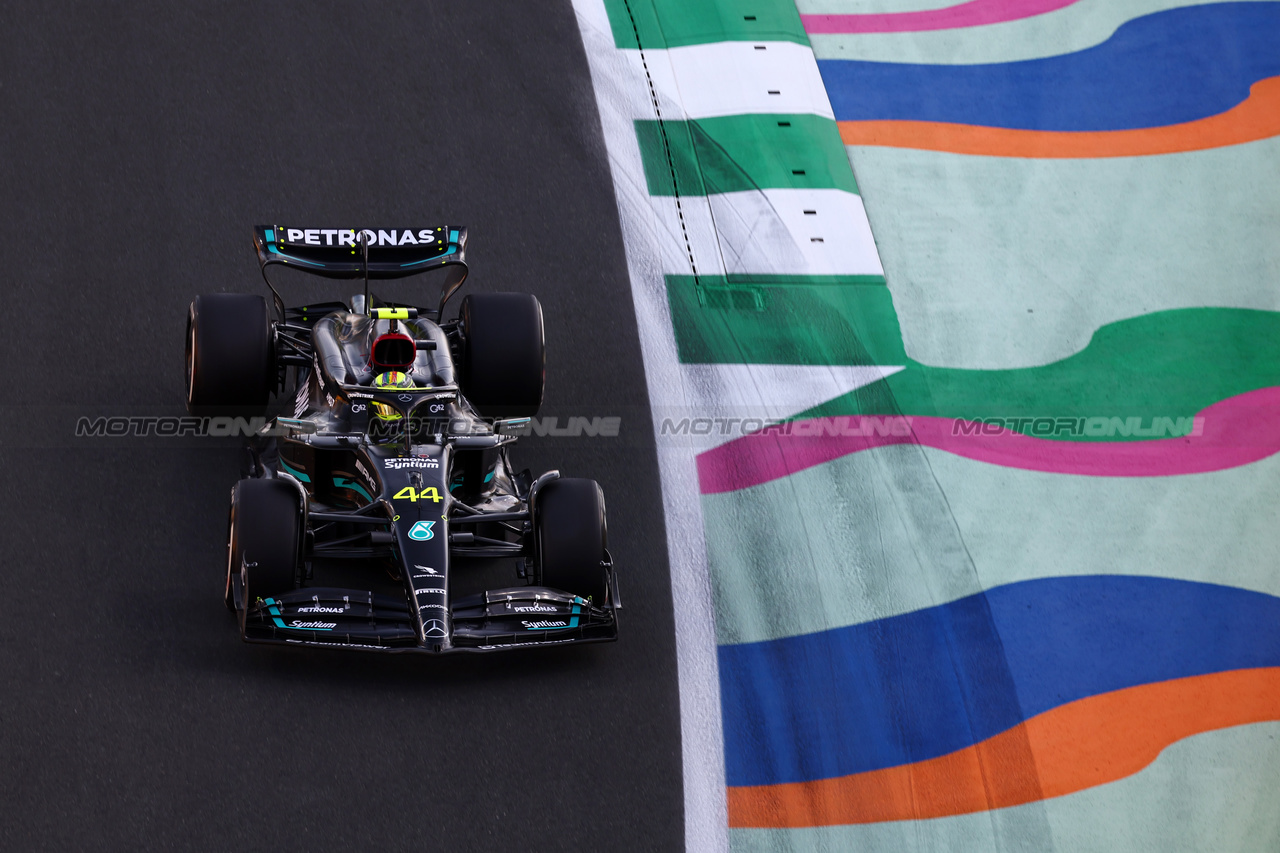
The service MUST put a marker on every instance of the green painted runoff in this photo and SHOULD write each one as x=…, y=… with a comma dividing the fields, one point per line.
x=1165, y=364
x=757, y=319
x=677, y=23
x=744, y=152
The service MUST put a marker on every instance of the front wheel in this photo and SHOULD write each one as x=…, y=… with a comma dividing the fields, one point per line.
x=264, y=535
x=572, y=537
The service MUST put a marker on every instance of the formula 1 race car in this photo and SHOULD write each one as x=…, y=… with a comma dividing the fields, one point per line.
x=362, y=513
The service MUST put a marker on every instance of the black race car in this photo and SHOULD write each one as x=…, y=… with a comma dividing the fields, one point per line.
x=391, y=486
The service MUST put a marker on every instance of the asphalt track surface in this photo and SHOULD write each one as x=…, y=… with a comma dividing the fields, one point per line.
x=139, y=146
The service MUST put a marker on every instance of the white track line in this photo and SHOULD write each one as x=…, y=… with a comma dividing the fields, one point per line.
x=649, y=245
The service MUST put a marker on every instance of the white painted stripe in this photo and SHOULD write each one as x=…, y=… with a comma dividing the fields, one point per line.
x=648, y=241
x=764, y=232
x=705, y=80
x=761, y=231
x=758, y=230
x=767, y=232
x=737, y=77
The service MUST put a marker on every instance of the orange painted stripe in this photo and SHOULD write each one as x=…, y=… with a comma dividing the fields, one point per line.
x=1257, y=117
x=1075, y=746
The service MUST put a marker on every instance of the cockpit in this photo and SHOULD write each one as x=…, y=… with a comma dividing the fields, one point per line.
x=354, y=348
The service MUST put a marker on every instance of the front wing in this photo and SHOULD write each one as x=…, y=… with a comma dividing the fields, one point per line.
x=489, y=621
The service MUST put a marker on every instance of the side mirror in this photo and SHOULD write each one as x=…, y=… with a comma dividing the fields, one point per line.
x=512, y=426
x=287, y=426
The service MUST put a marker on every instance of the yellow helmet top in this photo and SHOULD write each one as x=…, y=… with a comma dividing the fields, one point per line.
x=392, y=380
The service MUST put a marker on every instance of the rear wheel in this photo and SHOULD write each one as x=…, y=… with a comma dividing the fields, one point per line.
x=504, y=354
x=229, y=363
x=572, y=537
x=264, y=533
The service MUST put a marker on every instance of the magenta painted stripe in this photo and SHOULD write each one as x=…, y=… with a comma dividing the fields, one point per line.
x=1236, y=431
x=972, y=14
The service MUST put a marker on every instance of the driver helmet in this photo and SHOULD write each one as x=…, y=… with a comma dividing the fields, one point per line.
x=392, y=380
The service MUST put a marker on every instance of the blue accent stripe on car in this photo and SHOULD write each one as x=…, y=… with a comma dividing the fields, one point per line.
x=452, y=250
x=344, y=483
x=294, y=471
x=275, y=617
x=271, y=248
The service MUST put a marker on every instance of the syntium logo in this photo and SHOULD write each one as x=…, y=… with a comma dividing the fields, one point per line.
x=398, y=462
x=543, y=624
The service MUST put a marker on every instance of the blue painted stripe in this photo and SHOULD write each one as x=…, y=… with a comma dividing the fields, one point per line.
x=1169, y=67
x=923, y=684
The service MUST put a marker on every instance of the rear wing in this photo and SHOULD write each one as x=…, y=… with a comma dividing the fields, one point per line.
x=336, y=252
x=339, y=252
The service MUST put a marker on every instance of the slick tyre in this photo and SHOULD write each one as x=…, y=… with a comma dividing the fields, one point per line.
x=572, y=537
x=264, y=534
x=504, y=354
x=229, y=360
